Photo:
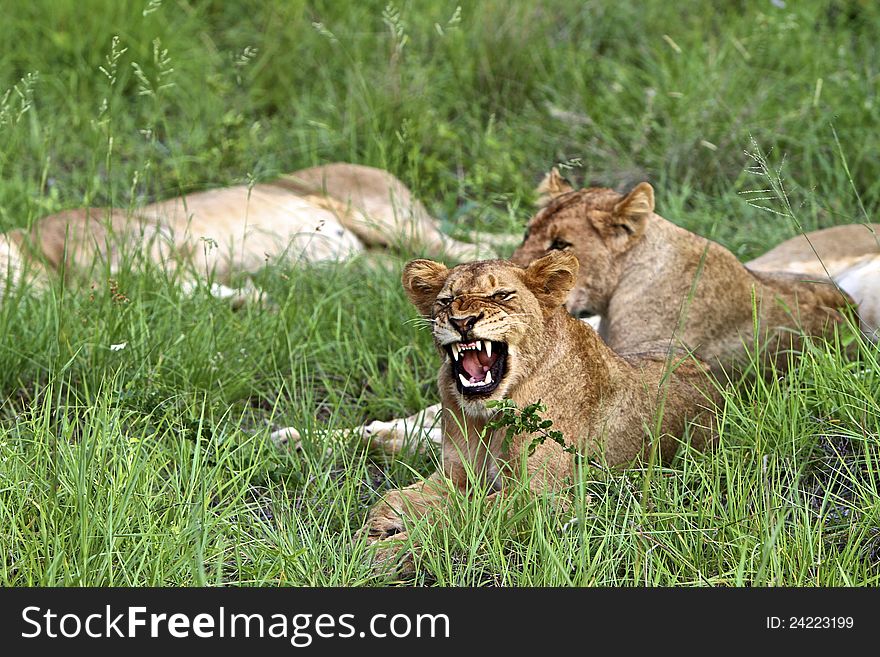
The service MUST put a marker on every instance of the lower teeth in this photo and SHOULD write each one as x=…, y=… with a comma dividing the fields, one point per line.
x=475, y=384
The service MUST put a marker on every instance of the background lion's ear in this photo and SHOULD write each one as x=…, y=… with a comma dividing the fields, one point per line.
x=551, y=278
x=633, y=211
x=551, y=186
x=422, y=281
x=629, y=217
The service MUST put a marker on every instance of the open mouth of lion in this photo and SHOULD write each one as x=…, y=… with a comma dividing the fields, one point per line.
x=479, y=366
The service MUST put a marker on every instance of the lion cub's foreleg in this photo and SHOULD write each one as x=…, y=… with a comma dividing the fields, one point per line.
x=390, y=438
x=418, y=430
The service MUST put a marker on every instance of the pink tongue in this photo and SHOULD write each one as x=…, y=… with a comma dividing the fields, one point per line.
x=470, y=362
x=476, y=363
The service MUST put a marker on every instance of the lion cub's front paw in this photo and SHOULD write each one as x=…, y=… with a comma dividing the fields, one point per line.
x=389, y=543
x=382, y=523
x=393, y=556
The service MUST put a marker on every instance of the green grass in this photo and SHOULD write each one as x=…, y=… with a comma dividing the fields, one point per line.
x=151, y=464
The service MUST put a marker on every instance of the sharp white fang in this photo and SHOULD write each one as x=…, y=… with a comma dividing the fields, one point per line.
x=489, y=348
x=464, y=381
x=479, y=344
x=454, y=346
x=488, y=378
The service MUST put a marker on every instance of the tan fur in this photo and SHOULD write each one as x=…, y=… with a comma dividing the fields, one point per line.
x=850, y=254
x=326, y=213
x=551, y=186
x=602, y=402
x=79, y=240
x=654, y=282
x=14, y=267
x=826, y=252
x=862, y=282
x=381, y=210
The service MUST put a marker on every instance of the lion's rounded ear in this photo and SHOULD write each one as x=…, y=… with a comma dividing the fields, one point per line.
x=551, y=186
x=422, y=281
x=628, y=218
x=552, y=277
x=633, y=211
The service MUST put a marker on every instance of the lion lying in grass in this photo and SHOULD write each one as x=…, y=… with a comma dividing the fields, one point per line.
x=653, y=282
x=325, y=213
x=502, y=333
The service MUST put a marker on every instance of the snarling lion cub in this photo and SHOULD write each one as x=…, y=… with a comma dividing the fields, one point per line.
x=503, y=333
x=654, y=282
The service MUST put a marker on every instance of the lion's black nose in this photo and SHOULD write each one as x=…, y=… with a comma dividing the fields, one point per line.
x=465, y=324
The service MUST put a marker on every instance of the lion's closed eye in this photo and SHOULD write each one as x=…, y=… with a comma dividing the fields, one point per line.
x=503, y=295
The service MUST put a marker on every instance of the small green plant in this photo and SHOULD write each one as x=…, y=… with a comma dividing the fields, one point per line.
x=528, y=420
